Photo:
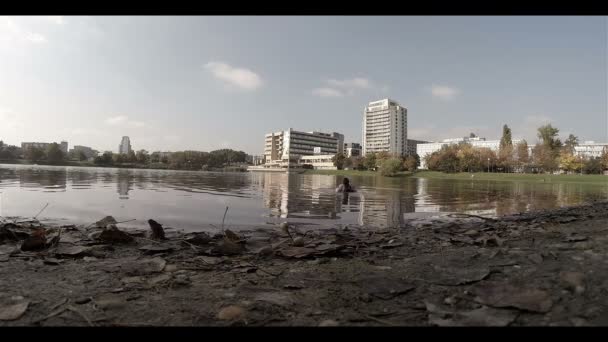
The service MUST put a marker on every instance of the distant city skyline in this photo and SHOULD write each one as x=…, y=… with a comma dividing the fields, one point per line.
x=205, y=83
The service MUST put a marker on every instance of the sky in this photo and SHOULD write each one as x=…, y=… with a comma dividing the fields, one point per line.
x=204, y=83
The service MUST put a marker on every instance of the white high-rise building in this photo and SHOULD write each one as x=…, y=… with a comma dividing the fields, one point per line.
x=125, y=146
x=385, y=128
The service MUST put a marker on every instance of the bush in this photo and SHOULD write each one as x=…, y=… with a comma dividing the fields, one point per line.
x=390, y=167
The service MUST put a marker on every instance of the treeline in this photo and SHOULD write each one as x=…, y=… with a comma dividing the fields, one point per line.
x=550, y=154
x=182, y=160
x=383, y=162
x=51, y=155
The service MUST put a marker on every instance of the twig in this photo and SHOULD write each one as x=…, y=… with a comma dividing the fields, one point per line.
x=224, y=218
x=41, y=210
x=470, y=215
x=73, y=309
x=126, y=221
x=380, y=320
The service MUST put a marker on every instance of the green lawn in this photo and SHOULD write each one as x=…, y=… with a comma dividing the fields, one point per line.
x=350, y=173
x=599, y=179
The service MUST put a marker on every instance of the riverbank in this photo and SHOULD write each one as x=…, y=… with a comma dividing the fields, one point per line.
x=541, y=268
x=350, y=173
x=153, y=166
x=518, y=177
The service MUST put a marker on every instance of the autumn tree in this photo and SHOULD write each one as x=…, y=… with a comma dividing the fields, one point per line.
x=505, y=152
x=338, y=160
x=410, y=163
x=523, y=157
x=34, y=154
x=390, y=167
x=570, y=143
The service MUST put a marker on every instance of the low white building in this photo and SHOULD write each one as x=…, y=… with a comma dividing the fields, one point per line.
x=424, y=150
x=590, y=149
x=319, y=162
x=291, y=145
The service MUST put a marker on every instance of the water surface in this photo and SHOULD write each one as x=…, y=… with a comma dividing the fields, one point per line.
x=194, y=200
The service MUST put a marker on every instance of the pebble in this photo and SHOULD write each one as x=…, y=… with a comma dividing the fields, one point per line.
x=329, y=323
x=231, y=313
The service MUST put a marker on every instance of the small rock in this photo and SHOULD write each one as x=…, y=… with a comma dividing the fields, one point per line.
x=154, y=249
x=105, y=221
x=329, y=323
x=536, y=258
x=471, y=232
x=231, y=313
x=111, y=234
x=82, y=300
x=573, y=280
x=132, y=280
x=72, y=251
x=170, y=268
x=51, y=261
x=298, y=242
x=159, y=279
x=110, y=303
x=89, y=259
x=13, y=311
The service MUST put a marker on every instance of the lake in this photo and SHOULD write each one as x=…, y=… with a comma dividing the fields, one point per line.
x=197, y=200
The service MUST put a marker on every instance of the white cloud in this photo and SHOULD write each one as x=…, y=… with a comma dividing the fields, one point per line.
x=528, y=129
x=340, y=88
x=35, y=38
x=239, y=77
x=357, y=82
x=444, y=92
x=56, y=19
x=123, y=120
x=12, y=32
x=327, y=92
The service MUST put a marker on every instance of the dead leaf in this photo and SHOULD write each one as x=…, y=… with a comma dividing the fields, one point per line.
x=297, y=252
x=506, y=295
x=385, y=288
x=153, y=249
x=12, y=312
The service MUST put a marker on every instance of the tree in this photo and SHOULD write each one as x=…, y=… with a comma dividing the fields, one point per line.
x=547, y=134
x=131, y=158
x=370, y=161
x=506, y=140
x=54, y=154
x=472, y=135
x=390, y=167
x=544, y=157
x=338, y=160
x=410, y=163
x=570, y=142
x=568, y=162
x=142, y=157
x=605, y=159
x=593, y=166
x=34, y=154
x=523, y=157
x=105, y=159
x=357, y=162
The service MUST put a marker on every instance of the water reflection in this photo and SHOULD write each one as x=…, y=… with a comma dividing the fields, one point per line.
x=189, y=199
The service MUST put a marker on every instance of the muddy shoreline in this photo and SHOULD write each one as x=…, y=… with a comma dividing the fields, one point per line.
x=541, y=268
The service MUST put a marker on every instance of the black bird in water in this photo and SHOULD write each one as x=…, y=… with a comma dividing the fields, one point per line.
x=157, y=230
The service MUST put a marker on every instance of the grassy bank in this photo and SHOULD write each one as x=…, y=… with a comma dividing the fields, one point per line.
x=350, y=173
x=519, y=177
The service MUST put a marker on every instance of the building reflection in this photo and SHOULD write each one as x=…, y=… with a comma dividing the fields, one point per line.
x=124, y=183
x=49, y=179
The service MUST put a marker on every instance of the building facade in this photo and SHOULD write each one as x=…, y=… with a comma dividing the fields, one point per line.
x=352, y=150
x=385, y=128
x=291, y=145
x=40, y=145
x=88, y=152
x=319, y=162
x=412, y=145
x=590, y=149
x=125, y=146
x=426, y=149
